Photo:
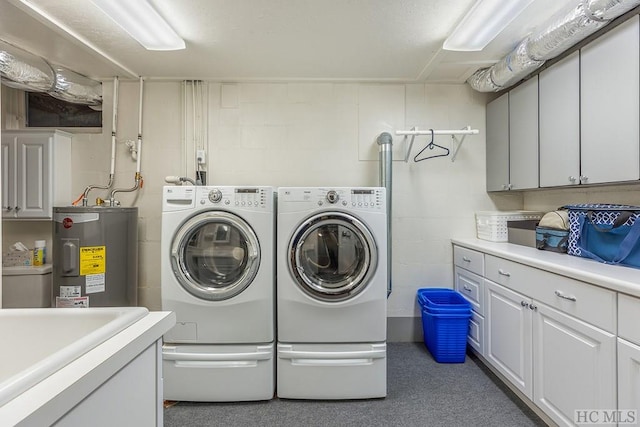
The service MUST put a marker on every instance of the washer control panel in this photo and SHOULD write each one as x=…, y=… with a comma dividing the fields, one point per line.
x=240, y=197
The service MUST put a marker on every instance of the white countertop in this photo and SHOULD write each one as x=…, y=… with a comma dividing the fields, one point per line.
x=614, y=277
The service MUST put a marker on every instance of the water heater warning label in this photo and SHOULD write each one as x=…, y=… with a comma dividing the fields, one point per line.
x=94, y=283
x=92, y=260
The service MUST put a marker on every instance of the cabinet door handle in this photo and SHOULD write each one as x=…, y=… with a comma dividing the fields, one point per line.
x=465, y=259
x=533, y=307
x=466, y=288
x=17, y=208
x=8, y=208
x=584, y=178
x=572, y=179
x=524, y=304
x=504, y=273
x=563, y=296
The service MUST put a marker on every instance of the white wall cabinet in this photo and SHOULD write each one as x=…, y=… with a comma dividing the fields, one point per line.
x=610, y=106
x=585, y=111
x=512, y=139
x=498, y=144
x=36, y=173
x=523, y=135
x=559, y=100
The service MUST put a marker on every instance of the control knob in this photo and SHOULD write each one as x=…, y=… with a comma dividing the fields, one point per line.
x=215, y=195
x=332, y=196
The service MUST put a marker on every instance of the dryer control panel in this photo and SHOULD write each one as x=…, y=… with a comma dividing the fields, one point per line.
x=359, y=198
x=237, y=197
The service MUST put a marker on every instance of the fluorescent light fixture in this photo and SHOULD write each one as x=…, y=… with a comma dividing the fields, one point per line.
x=142, y=22
x=485, y=20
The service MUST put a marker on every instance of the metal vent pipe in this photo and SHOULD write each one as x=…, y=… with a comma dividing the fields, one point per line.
x=25, y=71
x=385, y=145
x=558, y=34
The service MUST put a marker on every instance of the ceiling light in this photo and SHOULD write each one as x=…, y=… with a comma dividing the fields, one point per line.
x=485, y=20
x=142, y=22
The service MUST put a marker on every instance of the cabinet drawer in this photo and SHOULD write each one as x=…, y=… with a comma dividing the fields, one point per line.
x=629, y=318
x=470, y=285
x=469, y=259
x=587, y=302
x=475, y=339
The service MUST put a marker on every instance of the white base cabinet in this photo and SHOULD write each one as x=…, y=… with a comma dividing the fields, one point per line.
x=629, y=355
x=553, y=338
x=574, y=365
x=36, y=173
x=508, y=340
x=628, y=378
x=469, y=268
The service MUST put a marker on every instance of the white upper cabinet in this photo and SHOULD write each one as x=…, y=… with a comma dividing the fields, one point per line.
x=523, y=135
x=36, y=173
x=610, y=106
x=512, y=139
x=498, y=144
x=559, y=101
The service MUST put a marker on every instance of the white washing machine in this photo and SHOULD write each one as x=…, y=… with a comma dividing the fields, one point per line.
x=331, y=293
x=217, y=274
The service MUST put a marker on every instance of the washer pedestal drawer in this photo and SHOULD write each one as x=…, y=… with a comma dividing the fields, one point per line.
x=332, y=371
x=218, y=373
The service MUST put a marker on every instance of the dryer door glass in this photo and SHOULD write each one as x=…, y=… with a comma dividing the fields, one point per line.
x=215, y=255
x=332, y=256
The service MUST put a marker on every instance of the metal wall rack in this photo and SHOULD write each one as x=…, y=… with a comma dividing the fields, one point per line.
x=456, y=144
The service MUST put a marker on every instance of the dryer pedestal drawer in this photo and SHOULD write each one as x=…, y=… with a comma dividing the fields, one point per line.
x=332, y=371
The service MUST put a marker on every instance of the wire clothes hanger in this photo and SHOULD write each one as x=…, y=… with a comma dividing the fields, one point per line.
x=431, y=145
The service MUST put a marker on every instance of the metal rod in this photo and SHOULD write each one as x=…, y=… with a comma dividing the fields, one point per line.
x=385, y=143
x=439, y=132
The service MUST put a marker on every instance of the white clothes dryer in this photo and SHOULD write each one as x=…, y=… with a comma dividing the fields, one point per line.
x=217, y=275
x=331, y=293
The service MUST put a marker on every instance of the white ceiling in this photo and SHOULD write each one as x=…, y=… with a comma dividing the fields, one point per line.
x=265, y=40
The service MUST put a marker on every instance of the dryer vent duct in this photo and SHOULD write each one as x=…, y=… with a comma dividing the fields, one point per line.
x=562, y=31
x=25, y=71
x=385, y=153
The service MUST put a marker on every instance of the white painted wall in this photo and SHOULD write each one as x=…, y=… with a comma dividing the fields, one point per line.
x=323, y=134
x=310, y=134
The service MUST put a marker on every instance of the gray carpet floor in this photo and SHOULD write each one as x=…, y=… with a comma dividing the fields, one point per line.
x=420, y=392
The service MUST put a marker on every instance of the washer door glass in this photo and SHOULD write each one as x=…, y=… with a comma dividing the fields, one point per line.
x=215, y=255
x=332, y=256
